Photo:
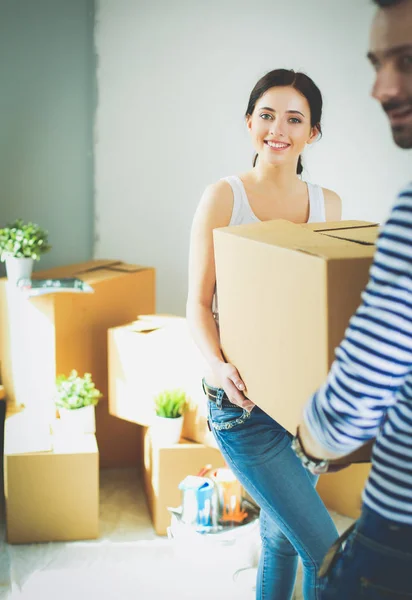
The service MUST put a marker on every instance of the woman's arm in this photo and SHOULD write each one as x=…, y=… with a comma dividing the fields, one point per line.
x=333, y=205
x=214, y=210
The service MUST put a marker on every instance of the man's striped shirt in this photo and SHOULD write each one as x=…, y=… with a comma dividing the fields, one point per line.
x=369, y=389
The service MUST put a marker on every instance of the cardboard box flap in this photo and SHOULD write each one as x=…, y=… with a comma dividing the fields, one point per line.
x=337, y=225
x=91, y=271
x=363, y=235
x=360, y=232
x=106, y=270
x=26, y=432
x=300, y=238
x=150, y=323
x=72, y=270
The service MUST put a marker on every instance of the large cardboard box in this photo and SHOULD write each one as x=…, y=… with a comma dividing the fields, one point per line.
x=165, y=468
x=153, y=354
x=45, y=336
x=51, y=495
x=342, y=491
x=286, y=293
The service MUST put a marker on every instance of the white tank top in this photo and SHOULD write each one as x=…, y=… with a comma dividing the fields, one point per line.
x=242, y=213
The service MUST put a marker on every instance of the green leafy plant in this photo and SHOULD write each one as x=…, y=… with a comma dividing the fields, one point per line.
x=170, y=403
x=23, y=240
x=75, y=391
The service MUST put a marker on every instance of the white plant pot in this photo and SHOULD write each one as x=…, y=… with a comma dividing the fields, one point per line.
x=18, y=268
x=78, y=420
x=166, y=432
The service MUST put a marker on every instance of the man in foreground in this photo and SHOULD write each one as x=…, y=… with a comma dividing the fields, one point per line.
x=368, y=392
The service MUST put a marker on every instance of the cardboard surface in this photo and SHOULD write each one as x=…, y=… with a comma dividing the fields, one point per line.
x=26, y=432
x=64, y=331
x=286, y=294
x=165, y=468
x=151, y=355
x=52, y=496
x=342, y=491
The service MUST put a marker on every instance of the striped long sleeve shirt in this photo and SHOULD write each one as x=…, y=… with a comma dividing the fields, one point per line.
x=369, y=389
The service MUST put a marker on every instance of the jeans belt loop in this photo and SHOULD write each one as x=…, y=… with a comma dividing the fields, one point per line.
x=219, y=398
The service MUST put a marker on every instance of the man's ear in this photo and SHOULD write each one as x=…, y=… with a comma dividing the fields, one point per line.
x=314, y=135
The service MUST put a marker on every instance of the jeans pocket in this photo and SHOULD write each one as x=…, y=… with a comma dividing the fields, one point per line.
x=374, y=591
x=226, y=418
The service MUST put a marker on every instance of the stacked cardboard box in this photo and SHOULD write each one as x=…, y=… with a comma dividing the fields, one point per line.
x=2, y=419
x=51, y=482
x=286, y=294
x=150, y=355
x=49, y=335
x=153, y=354
x=165, y=468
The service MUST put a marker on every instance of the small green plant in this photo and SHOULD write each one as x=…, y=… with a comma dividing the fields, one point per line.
x=23, y=240
x=76, y=392
x=170, y=403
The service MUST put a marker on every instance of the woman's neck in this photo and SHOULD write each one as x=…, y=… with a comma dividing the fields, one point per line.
x=279, y=176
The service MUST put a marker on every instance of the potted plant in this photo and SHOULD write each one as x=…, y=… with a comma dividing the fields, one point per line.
x=76, y=398
x=170, y=406
x=20, y=245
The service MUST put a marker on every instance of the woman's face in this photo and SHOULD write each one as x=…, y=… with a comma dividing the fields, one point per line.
x=280, y=125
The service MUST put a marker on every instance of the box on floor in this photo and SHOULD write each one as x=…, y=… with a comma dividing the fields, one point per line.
x=286, y=293
x=153, y=354
x=51, y=483
x=2, y=419
x=64, y=331
x=165, y=468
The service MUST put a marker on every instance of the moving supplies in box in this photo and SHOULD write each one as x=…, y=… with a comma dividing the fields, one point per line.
x=50, y=495
x=165, y=468
x=286, y=293
x=153, y=354
x=49, y=335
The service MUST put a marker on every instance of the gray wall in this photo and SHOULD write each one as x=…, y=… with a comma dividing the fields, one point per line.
x=47, y=100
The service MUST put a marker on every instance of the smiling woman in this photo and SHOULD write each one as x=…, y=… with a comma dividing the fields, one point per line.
x=283, y=116
x=284, y=99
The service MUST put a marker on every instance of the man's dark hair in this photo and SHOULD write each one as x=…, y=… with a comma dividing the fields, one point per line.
x=386, y=3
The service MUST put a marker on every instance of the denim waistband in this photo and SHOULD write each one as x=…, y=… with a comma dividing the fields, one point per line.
x=393, y=534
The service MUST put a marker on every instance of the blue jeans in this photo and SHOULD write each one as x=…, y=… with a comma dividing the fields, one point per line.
x=375, y=564
x=294, y=521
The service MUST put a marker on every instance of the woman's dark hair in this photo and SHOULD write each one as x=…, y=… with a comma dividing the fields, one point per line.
x=300, y=82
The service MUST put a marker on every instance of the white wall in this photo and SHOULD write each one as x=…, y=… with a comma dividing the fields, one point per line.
x=174, y=78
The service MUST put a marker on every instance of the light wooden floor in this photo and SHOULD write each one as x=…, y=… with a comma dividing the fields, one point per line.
x=128, y=562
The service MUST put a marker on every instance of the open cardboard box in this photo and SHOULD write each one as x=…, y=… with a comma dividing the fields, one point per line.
x=150, y=355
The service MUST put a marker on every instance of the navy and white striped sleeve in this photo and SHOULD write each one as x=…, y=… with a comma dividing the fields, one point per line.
x=375, y=357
